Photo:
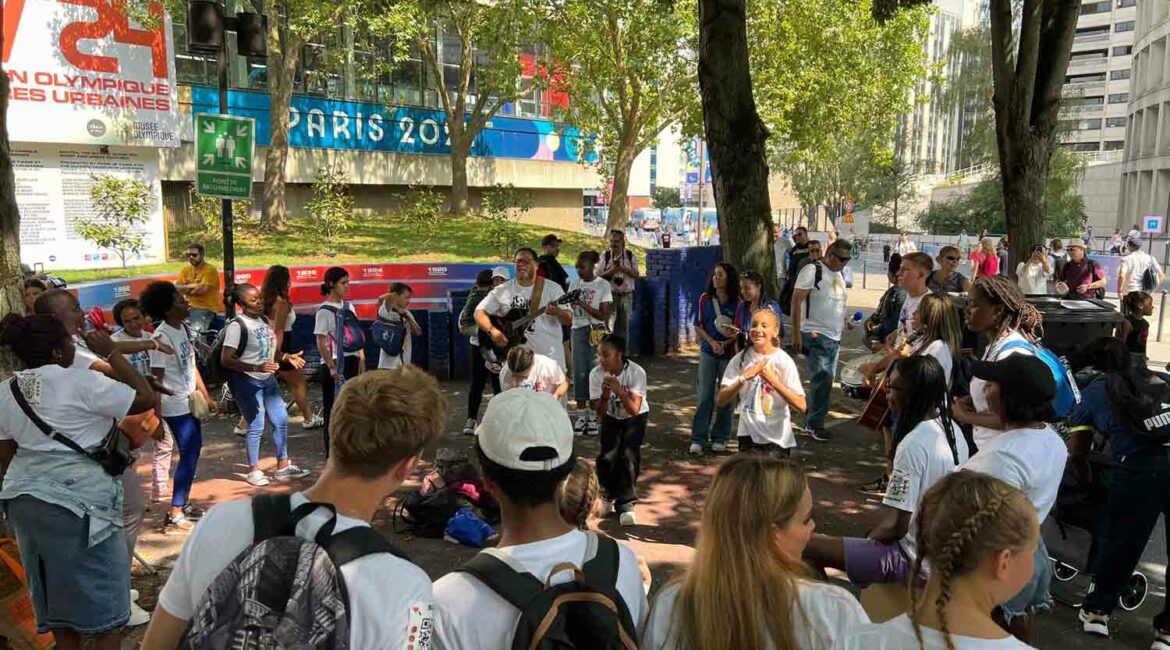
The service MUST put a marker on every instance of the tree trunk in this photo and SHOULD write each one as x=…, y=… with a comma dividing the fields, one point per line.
x=11, y=279
x=282, y=69
x=1025, y=175
x=461, y=141
x=619, y=200
x=735, y=138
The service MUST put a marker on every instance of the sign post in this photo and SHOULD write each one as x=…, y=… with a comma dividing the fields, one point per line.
x=224, y=147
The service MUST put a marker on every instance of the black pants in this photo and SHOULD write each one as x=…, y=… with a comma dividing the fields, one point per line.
x=328, y=391
x=749, y=446
x=1139, y=491
x=479, y=379
x=620, y=459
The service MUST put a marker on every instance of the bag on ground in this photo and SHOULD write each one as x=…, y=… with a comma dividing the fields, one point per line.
x=426, y=515
x=283, y=591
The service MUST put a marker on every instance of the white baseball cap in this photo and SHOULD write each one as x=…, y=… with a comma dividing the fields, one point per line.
x=526, y=430
x=501, y=272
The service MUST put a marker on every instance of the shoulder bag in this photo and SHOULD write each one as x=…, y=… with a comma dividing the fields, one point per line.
x=113, y=454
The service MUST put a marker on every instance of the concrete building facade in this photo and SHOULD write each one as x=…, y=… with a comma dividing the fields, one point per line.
x=1145, y=180
x=1096, y=91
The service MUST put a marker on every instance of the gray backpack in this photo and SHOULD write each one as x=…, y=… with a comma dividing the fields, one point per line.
x=283, y=591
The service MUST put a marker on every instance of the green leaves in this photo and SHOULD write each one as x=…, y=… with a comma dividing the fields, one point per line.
x=332, y=206
x=121, y=208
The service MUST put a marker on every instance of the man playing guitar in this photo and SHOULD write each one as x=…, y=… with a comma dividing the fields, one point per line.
x=543, y=336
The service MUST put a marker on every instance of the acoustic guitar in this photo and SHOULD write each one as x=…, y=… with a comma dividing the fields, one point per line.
x=514, y=324
x=877, y=409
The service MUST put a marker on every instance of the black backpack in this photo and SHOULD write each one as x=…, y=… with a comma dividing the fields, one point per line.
x=426, y=515
x=587, y=612
x=283, y=591
x=1143, y=401
x=217, y=373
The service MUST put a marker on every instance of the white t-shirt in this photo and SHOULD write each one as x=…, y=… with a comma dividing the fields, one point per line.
x=907, y=247
x=79, y=404
x=82, y=357
x=258, y=349
x=1134, y=266
x=385, y=361
x=922, y=459
x=906, y=319
x=826, y=311
x=325, y=324
x=632, y=378
x=828, y=613
x=994, y=352
x=1031, y=278
x=764, y=415
x=593, y=294
x=941, y=353
x=544, y=334
x=470, y=616
x=178, y=369
x=387, y=595
x=140, y=360
x=1029, y=459
x=543, y=377
x=898, y=634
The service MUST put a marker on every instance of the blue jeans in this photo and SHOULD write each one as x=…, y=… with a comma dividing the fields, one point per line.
x=711, y=370
x=821, y=354
x=584, y=361
x=188, y=432
x=257, y=399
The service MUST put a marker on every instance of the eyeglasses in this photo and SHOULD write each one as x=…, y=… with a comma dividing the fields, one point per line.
x=953, y=259
x=843, y=259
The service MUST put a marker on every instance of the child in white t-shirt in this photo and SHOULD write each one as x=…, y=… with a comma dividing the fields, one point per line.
x=979, y=535
x=617, y=392
x=532, y=371
x=747, y=572
x=767, y=382
x=393, y=308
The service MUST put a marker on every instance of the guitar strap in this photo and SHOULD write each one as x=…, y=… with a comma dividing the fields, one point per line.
x=537, y=294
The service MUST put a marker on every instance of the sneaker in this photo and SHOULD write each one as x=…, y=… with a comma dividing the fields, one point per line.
x=877, y=486
x=243, y=433
x=1161, y=640
x=133, y=595
x=192, y=511
x=695, y=449
x=628, y=518
x=719, y=447
x=138, y=616
x=469, y=427
x=180, y=524
x=579, y=426
x=315, y=422
x=257, y=478
x=292, y=471
x=592, y=428
x=820, y=435
x=606, y=508
x=1094, y=623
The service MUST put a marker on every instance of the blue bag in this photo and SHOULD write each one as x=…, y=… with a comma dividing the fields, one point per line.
x=1067, y=393
x=389, y=336
x=467, y=528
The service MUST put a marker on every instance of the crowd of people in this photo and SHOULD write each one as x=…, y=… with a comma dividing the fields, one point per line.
x=973, y=463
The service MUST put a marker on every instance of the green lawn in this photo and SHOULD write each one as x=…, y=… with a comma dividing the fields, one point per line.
x=371, y=239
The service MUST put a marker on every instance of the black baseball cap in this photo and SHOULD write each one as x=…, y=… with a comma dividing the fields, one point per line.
x=1027, y=377
x=550, y=239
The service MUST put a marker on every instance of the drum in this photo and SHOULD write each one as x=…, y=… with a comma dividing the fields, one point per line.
x=852, y=381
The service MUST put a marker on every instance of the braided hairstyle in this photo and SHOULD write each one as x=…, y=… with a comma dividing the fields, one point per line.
x=929, y=399
x=1018, y=314
x=578, y=495
x=965, y=518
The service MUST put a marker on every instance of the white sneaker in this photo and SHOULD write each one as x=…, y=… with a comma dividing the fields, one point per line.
x=1094, y=623
x=138, y=616
x=695, y=449
x=719, y=447
x=469, y=427
x=243, y=433
x=1161, y=640
x=606, y=508
x=133, y=595
x=628, y=518
x=580, y=425
x=257, y=478
x=315, y=422
x=592, y=428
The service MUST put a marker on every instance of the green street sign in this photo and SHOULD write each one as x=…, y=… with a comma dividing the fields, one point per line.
x=224, y=148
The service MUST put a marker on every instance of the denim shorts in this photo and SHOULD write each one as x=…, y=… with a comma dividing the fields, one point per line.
x=73, y=586
x=1035, y=596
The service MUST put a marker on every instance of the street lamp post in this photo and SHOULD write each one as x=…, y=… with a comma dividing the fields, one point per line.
x=206, y=34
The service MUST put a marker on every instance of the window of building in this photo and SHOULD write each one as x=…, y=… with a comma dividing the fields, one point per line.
x=1081, y=146
x=1119, y=74
x=1118, y=98
x=1121, y=4
x=1122, y=50
x=1095, y=8
x=1090, y=55
x=1113, y=122
x=1123, y=26
x=1114, y=145
x=1085, y=78
x=1083, y=101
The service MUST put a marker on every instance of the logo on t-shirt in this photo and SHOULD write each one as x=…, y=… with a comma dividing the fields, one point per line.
x=899, y=487
x=420, y=626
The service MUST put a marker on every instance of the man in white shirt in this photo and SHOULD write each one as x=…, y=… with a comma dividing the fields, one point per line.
x=912, y=276
x=1134, y=266
x=544, y=334
x=525, y=447
x=818, y=313
x=381, y=423
x=905, y=246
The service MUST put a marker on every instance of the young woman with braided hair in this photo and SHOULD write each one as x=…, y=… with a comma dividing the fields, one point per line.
x=928, y=447
x=1027, y=455
x=997, y=308
x=979, y=535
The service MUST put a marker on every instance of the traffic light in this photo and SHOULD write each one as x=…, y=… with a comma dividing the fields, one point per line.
x=206, y=25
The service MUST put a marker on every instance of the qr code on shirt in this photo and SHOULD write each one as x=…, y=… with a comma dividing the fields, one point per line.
x=420, y=627
x=899, y=487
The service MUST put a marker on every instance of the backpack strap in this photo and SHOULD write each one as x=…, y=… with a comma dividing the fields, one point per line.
x=358, y=542
x=18, y=395
x=601, y=561
x=537, y=293
x=497, y=572
x=270, y=514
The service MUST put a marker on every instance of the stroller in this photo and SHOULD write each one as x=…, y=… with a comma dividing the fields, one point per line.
x=1070, y=533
